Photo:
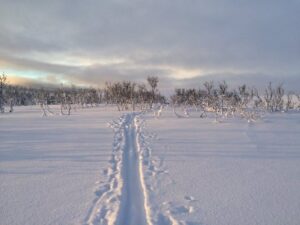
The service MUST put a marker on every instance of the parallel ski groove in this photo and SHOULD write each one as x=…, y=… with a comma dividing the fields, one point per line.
x=133, y=204
x=122, y=200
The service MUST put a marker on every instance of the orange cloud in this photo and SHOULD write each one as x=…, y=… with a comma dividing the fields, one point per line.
x=27, y=82
x=19, y=80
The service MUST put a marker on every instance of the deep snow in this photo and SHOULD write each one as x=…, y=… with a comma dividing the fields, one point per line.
x=100, y=166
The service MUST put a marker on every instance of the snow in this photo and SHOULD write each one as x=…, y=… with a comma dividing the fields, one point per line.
x=231, y=172
x=101, y=166
x=49, y=166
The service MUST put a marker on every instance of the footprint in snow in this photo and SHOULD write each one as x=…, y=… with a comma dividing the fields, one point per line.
x=182, y=210
x=189, y=198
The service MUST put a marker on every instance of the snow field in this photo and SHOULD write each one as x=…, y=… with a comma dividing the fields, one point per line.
x=50, y=166
x=103, y=167
x=227, y=173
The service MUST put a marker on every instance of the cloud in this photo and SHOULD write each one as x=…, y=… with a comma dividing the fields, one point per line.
x=260, y=81
x=31, y=82
x=91, y=41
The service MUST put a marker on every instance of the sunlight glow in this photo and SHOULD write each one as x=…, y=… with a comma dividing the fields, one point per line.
x=76, y=60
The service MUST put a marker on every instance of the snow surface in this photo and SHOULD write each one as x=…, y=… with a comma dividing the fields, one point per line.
x=227, y=173
x=50, y=166
x=100, y=166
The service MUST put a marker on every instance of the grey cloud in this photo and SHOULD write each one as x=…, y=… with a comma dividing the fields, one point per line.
x=256, y=37
x=99, y=74
x=259, y=81
x=21, y=63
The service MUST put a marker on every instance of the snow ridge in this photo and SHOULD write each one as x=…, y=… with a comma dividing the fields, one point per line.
x=106, y=205
x=152, y=173
x=137, y=124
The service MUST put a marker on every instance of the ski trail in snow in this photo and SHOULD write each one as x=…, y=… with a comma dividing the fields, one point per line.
x=133, y=208
x=122, y=200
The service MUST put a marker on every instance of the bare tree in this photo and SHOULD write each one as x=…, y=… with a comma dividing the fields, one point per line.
x=153, y=82
x=269, y=95
x=41, y=97
x=289, y=102
x=10, y=95
x=65, y=99
x=209, y=98
x=142, y=96
x=298, y=97
x=258, y=101
x=278, y=98
x=222, y=94
x=209, y=85
x=274, y=98
x=3, y=80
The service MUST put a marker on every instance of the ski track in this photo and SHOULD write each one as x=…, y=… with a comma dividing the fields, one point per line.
x=123, y=199
x=133, y=205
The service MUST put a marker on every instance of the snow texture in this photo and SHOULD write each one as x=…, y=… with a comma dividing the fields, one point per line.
x=103, y=167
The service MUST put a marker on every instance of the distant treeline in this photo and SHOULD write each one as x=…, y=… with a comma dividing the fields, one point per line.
x=243, y=102
x=127, y=95
x=218, y=97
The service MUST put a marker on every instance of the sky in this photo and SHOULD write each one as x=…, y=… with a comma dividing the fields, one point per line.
x=183, y=42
